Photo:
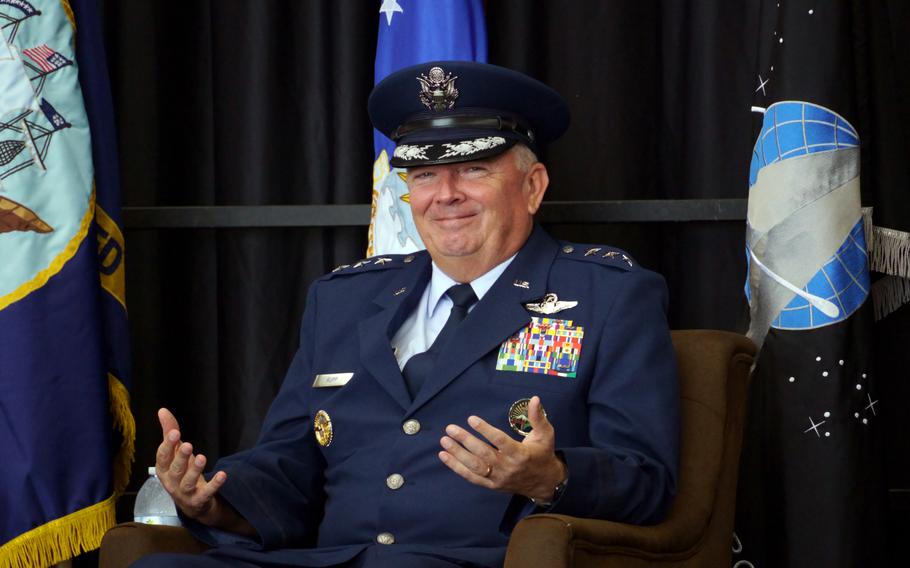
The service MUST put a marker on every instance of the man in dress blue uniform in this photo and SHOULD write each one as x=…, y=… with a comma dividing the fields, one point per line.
x=439, y=397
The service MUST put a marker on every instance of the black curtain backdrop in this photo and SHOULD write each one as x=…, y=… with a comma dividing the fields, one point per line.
x=242, y=102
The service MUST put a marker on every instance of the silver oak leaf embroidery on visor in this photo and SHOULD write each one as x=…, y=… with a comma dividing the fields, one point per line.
x=409, y=152
x=468, y=147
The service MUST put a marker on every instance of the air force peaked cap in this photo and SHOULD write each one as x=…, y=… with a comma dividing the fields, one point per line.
x=443, y=112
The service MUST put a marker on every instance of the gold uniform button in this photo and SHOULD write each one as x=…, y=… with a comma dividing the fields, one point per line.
x=411, y=427
x=394, y=481
x=385, y=538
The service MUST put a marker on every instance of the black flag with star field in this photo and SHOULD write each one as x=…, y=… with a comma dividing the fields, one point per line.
x=810, y=490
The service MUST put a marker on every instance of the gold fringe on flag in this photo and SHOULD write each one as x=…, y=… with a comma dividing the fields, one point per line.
x=60, y=539
x=81, y=531
x=126, y=425
x=70, y=15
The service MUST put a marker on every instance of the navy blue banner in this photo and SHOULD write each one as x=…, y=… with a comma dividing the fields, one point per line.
x=67, y=433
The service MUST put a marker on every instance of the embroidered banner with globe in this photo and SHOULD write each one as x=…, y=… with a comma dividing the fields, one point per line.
x=411, y=32
x=805, y=240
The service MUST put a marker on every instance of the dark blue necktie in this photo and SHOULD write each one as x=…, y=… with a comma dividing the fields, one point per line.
x=419, y=367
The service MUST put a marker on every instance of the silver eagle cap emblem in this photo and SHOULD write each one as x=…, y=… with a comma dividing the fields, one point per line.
x=437, y=90
x=550, y=304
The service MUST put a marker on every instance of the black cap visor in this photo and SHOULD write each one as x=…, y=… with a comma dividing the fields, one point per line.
x=458, y=145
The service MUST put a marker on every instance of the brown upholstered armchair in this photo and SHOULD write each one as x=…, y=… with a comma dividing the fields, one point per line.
x=713, y=368
x=713, y=372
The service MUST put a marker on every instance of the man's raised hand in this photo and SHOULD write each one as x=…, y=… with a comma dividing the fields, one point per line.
x=530, y=467
x=180, y=473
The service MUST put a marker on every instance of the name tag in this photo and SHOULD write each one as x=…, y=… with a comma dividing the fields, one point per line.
x=331, y=380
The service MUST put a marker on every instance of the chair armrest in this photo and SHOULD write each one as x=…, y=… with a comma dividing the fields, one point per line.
x=560, y=540
x=713, y=369
x=127, y=542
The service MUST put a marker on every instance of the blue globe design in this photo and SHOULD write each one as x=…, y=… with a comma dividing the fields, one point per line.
x=796, y=128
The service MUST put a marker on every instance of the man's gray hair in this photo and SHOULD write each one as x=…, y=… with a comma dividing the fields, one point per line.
x=524, y=158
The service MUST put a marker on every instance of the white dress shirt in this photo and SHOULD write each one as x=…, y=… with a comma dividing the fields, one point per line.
x=419, y=331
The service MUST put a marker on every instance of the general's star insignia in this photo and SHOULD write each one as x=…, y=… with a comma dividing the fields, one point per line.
x=591, y=251
x=550, y=304
x=381, y=261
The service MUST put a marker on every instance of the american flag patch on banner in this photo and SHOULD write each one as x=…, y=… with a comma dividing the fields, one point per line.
x=46, y=58
x=546, y=346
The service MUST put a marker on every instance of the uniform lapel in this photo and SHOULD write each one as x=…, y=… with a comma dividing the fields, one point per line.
x=497, y=316
x=376, y=331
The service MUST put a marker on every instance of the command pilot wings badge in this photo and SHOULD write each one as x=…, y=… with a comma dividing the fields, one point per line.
x=550, y=304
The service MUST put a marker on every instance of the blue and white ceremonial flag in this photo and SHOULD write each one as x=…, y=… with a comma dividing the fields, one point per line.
x=412, y=31
x=810, y=490
x=67, y=431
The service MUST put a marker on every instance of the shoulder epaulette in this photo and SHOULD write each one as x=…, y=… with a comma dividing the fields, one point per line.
x=598, y=254
x=380, y=262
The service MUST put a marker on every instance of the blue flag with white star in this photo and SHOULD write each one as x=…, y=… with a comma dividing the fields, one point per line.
x=410, y=32
x=811, y=489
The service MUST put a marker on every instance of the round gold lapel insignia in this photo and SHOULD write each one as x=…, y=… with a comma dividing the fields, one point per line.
x=518, y=416
x=322, y=427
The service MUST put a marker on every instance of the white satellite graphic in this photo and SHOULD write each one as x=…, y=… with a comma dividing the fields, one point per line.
x=808, y=263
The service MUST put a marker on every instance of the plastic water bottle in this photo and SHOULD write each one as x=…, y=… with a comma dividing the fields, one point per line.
x=154, y=505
